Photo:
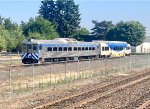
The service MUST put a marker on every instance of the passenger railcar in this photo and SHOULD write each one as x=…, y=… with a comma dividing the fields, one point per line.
x=68, y=49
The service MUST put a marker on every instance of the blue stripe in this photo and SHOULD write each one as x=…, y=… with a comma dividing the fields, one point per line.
x=70, y=45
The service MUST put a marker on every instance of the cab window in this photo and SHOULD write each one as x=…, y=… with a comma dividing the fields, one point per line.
x=24, y=47
x=34, y=47
x=29, y=46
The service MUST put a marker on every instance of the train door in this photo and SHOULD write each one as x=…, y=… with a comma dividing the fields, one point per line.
x=40, y=50
x=29, y=48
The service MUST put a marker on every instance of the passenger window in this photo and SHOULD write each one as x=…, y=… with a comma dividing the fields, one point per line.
x=86, y=48
x=79, y=48
x=65, y=48
x=40, y=47
x=115, y=48
x=83, y=49
x=60, y=49
x=49, y=49
x=103, y=48
x=54, y=48
x=70, y=49
x=90, y=48
x=106, y=48
x=93, y=48
x=75, y=48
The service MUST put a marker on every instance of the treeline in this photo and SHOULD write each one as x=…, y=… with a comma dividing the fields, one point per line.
x=61, y=18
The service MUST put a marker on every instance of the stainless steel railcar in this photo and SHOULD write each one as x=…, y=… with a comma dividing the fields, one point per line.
x=59, y=49
x=65, y=49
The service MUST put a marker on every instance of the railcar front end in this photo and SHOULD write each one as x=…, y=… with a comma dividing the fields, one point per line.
x=30, y=53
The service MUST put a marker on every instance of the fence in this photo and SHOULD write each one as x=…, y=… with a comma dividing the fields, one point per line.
x=10, y=53
x=17, y=81
x=6, y=57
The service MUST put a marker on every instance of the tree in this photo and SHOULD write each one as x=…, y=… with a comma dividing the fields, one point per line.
x=3, y=33
x=17, y=34
x=101, y=29
x=64, y=14
x=81, y=33
x=8, y=24
x=1, y=20
x=132, y=32
x=48, y=10
x=10, y=35
x=39, y=28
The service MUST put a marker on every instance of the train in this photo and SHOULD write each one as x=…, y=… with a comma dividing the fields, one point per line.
x=69, y=49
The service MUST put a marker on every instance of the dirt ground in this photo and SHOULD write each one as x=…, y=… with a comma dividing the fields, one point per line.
x=10, y=57
x=55, y=93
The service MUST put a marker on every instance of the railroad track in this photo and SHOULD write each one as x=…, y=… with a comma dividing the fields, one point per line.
x=81, y=100
x=142, y=103
x=145, y=105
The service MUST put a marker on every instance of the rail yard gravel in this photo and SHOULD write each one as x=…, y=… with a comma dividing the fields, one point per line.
x=118, y=100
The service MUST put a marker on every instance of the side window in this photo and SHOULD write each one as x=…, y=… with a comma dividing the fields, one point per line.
x=86, y=48
x=49, y=49
x=65, y=48
x=75, y=48
x=54, y=48
x=90, y=48
x=40, y=47
x=115, y=48
x=83, y=48
x=60, y=49
x=93, y=48
x=103, y=48
x=69, y=48
x=79, y=48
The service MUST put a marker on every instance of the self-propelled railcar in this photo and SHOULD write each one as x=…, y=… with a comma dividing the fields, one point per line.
x=68, y=49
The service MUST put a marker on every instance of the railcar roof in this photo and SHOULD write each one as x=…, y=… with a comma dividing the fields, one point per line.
x=102, y=41
x=57, y=41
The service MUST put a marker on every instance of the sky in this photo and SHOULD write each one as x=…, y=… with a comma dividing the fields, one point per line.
x=109, y=10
